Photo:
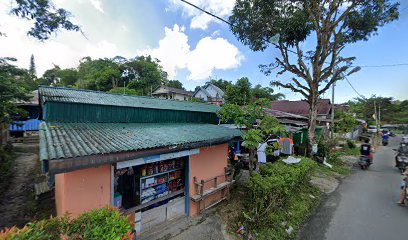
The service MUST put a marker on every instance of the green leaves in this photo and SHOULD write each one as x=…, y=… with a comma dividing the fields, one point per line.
x=272, y=191
x=47, y=18
x=239, y=93
x=15, y=84
x=346, y=122
x=105, y=223
x=256, y=125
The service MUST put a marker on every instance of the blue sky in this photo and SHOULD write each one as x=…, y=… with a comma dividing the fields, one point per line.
x=194, y=47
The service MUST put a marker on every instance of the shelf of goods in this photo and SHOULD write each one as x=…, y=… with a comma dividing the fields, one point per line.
x=163, y=179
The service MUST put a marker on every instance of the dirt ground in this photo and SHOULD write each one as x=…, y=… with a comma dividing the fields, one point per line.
x=18, y=205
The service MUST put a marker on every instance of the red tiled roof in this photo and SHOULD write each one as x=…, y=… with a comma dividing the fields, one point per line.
x=301, y=107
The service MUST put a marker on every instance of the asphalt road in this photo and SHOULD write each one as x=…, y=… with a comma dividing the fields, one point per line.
x=364, y=206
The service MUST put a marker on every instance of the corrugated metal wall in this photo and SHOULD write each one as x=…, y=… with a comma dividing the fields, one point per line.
x=78, y=112
x=302, y=137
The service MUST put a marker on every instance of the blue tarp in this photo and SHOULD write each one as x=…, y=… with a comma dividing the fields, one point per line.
x=22, y=126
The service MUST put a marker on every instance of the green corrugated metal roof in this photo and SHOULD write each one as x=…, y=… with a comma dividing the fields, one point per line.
x=71, y=95
x=69, y=140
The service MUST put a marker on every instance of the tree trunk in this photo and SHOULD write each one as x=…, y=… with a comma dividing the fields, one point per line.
x=311, y=124
x=252, y=162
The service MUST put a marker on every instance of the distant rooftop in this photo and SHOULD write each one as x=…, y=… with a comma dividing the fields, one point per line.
x=72, y=95
x=301, y=107
x=166, y=89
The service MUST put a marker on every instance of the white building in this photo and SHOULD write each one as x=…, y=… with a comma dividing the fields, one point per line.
x=165, y=92
x=211, y=94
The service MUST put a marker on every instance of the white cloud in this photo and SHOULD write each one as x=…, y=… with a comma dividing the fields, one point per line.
x=65, y=50
x=209, y=54
x=172, y=51
x=98, y=5
x=124, y=28
x=200, y=20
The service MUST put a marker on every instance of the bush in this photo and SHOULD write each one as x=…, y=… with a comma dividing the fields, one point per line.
x=272, y=193
x=6, y=165
x=105, y=223
x=351, y=144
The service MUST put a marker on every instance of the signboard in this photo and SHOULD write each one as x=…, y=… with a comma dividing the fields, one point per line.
x=156, y=158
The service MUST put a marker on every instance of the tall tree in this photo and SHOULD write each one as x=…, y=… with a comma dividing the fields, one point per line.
x=67, y=77
x=50, y=76
x=12, y=89
x=145, y=74
x=46, y=17
x=331, y=25
x=32, y=69
x=100, y=74
x=239, y=93
x=174, y=84
x=364, y=108
x=265, y=92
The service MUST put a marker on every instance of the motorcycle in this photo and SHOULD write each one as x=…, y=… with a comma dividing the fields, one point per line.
x=364, y=162
x=401, y=158
x=385, y=142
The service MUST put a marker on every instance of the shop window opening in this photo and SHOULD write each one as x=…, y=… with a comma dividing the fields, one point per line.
x=149, y=185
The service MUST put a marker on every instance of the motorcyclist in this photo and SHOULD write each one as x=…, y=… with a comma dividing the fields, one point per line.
x=366, y=149
x=385, y=137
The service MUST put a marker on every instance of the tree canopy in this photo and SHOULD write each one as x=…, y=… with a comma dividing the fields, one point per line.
x=245, y=117
x=174, y=84
x=265, y=92
x=239, y=93
x=328, y=26
x=46, y=18
x=139, y=75
x=31, y=68
x=12, y=88
x=391, y=111
x=345, y=122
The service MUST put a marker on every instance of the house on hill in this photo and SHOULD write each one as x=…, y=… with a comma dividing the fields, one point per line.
x=210, y=94
x=165, y=92
x=154, y=159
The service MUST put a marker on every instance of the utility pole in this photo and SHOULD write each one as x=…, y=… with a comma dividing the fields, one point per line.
x=379, y=116
x=332, y=112
x=375, y=116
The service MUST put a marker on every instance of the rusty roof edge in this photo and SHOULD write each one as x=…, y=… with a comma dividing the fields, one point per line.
x=56, y=166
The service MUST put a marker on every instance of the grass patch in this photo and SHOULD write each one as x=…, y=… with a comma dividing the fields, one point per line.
x=295, y=213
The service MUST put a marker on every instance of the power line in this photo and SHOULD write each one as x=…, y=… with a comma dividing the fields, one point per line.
x=227, y=22
x=386, y=65
x=353, y=88
x=232, y=25
x=211, y=14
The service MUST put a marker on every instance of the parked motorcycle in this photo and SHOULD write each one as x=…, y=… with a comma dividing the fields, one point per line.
x=401, y=159
x=364, y=162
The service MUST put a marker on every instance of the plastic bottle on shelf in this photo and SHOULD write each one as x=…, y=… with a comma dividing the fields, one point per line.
x=156, y=167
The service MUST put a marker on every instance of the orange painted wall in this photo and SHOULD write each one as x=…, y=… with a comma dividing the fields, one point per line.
x=209, y=163
x=82, y=190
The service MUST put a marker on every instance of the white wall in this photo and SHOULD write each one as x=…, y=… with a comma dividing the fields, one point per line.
x=201, y=95
x=212, y=91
